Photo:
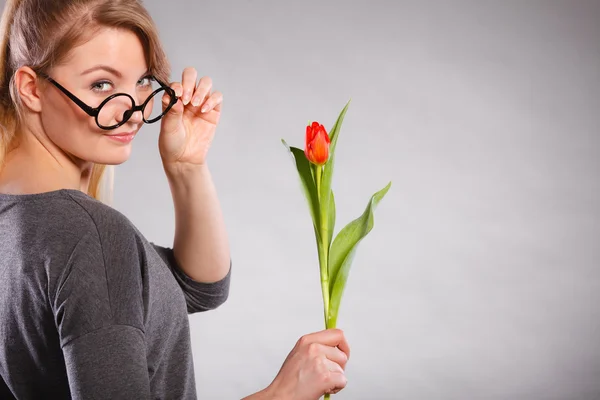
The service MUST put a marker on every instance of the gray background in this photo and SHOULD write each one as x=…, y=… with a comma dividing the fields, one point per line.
x=480, y=279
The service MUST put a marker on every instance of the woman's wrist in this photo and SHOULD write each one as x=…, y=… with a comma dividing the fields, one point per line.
x=184, y=171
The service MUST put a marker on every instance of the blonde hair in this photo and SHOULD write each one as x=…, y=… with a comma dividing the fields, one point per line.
x=41, y=33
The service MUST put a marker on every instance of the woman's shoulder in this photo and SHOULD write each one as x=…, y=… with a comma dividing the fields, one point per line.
x=106, y=220
x=65, y=215
x=65, y=228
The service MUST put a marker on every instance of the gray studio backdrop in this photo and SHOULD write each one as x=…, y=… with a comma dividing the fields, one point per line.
x=480, y=279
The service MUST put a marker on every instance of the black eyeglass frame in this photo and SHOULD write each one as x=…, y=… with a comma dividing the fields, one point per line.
x=94, y=112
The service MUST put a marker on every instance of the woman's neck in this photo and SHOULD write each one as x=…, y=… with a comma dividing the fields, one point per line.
x=34, y=167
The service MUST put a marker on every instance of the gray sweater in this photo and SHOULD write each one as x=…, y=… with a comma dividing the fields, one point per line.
x=89, y=309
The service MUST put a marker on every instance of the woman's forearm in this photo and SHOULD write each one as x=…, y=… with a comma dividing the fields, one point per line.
x=200, y=246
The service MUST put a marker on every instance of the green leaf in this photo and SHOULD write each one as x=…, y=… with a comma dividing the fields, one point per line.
x=326, y=196
x=343, y=249
x=306, y=178
x=333, y=133
x=331, y=216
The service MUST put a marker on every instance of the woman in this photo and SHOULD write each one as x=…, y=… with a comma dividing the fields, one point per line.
x=88, y=307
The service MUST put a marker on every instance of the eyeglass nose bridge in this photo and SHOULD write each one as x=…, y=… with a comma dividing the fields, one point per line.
x=127, y=114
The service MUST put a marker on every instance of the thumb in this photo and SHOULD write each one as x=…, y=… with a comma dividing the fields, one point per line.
x=171, y=121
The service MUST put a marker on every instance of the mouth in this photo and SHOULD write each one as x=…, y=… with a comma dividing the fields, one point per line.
x=124, y=137
x=123, y=134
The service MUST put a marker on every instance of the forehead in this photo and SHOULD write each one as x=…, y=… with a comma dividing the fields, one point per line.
x=118, y=48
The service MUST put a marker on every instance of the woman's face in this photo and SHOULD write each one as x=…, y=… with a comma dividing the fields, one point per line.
x=112, y=62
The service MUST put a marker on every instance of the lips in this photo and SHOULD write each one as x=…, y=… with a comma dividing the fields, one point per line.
x=125, y=137
x=124, y=134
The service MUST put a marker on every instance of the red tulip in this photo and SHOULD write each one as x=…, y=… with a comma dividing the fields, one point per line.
x=317, y=144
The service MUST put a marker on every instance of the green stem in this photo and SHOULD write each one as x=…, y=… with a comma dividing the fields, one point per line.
x=324, y=254
x=323, y=250
x=318, y=174
x=325, y=291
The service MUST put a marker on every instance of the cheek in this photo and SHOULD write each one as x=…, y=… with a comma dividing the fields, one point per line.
x=76, y=133
x=68, y=126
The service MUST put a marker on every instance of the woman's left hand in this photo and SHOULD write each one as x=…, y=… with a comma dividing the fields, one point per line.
x=188, y=129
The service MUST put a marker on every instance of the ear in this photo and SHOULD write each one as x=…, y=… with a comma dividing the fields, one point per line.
x=28, y=88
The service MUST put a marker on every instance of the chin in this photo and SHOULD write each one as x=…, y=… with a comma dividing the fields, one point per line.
x=113, y=156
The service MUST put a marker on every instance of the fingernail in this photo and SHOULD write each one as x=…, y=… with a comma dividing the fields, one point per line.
x=186, y=97
x=196, y=102
x=204, y=108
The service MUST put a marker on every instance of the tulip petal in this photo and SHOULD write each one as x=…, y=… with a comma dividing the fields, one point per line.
x=342, y=253
x=309, y=136
x=324, y=133
x=320, y=148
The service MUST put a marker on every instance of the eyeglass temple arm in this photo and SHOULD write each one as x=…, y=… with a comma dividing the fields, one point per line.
x=89, y=110
x=166, y=86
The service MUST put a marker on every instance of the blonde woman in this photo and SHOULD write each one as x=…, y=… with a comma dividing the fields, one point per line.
x=89, y=309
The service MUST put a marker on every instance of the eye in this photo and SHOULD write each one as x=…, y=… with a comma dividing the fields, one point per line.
x=146, y=81
x=97, y=86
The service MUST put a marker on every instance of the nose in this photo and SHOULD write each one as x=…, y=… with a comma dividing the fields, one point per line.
x=136, y=117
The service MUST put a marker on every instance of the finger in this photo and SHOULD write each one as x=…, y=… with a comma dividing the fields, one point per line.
x=212, y=102
x=188, y=80
x=202, y=91
x=219, y=105
x=166, y=99
x=336, y=355
x=177, y=87
x=335, y=381
x=170, y=123
x=332, y=366
x=330, y=337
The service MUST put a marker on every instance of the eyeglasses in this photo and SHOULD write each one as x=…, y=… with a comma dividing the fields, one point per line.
x=117, y=108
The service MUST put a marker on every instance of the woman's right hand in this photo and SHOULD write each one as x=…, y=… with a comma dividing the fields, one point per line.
x=314, y=367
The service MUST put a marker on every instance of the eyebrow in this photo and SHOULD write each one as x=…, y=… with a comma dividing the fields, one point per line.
x=108, y=69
